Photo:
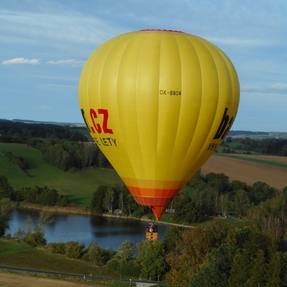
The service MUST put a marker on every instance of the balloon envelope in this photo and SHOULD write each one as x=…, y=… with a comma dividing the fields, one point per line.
x=158, y=103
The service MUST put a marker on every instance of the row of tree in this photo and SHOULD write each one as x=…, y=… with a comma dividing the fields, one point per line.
x=68, y=155
x=204, y=197
x=270, y=146
x=215, y=195
x=116, y=199
x=37, y=194
x=11, y=131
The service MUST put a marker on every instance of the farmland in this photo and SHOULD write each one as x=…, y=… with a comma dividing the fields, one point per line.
x=250, y=168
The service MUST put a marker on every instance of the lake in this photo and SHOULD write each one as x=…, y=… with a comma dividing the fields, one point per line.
x=107, y=232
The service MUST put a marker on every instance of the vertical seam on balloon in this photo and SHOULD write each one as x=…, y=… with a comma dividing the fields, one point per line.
x=200, y=105
x=231, y=78
x=117, y=98
x=100, y=76
x=87, y=84
x=180, y=102
x=137, y=119
x=217, y=100
x=157, y=104
x=90, y=79
x=91, y=76
x=98, y=88
x=234, y=81
x=83, y=97
x=110, y=98
x=229, y=73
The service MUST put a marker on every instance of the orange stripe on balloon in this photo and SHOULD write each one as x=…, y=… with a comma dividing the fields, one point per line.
x=155, y=198
x=153, y=184
x=153, y=192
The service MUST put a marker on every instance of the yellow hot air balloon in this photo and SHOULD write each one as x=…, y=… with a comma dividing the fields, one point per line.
x=158, y=103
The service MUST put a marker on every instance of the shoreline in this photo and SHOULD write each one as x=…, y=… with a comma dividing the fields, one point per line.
x=87, y=212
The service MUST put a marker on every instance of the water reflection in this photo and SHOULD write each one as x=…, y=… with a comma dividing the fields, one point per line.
x=107, y=232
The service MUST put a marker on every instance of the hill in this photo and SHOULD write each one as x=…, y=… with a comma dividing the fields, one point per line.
x=80, y=185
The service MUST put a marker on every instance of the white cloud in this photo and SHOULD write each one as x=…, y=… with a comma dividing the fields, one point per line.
x=65, y=62
x=55, y=28
x=242, y=42
x=271, y=89
x=279, y=86
x=21, y=61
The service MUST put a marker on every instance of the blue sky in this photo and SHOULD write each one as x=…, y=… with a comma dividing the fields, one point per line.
x=43, y=45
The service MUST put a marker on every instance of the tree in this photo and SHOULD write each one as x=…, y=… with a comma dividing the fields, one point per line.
x=215, y=271
x=274, y=270
x=257, y=272
x=57, y=247
x=36, y=237
x=125, y=252
x=3, y=225
x=95, y=254
x=219, y=181
x=240, y=203
x=6, y=189
x=191, y=252
x=150, y=258
x=97, y=202
x=270, y=217
x=123, y=260
x=110, y=199
x=283, y=273
x=74, y=249
x=240, y=270
x=5, y=208
x=237, y=185
x=261, y=191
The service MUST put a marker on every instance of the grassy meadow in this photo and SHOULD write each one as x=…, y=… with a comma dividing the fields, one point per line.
x=79, y=185
x=20, y=254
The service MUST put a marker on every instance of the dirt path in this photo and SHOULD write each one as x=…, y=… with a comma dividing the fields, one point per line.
x=13, y=280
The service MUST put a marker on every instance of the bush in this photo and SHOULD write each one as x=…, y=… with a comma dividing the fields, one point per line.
x=95, y=254
x=59, y=248
x=41, y=195
x=35, y=238
x=74, y=249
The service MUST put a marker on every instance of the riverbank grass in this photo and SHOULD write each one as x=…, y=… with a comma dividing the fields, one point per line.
x=19, y=254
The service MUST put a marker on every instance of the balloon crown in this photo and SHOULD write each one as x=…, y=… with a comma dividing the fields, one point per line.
x=163, y=30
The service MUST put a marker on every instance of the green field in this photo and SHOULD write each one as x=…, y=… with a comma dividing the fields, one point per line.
x=9, y=247
x=22, y=255
x=257, y=160
x=79, y=185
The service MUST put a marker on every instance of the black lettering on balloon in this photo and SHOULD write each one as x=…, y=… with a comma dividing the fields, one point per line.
x=83, y=115
x=224, y=126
